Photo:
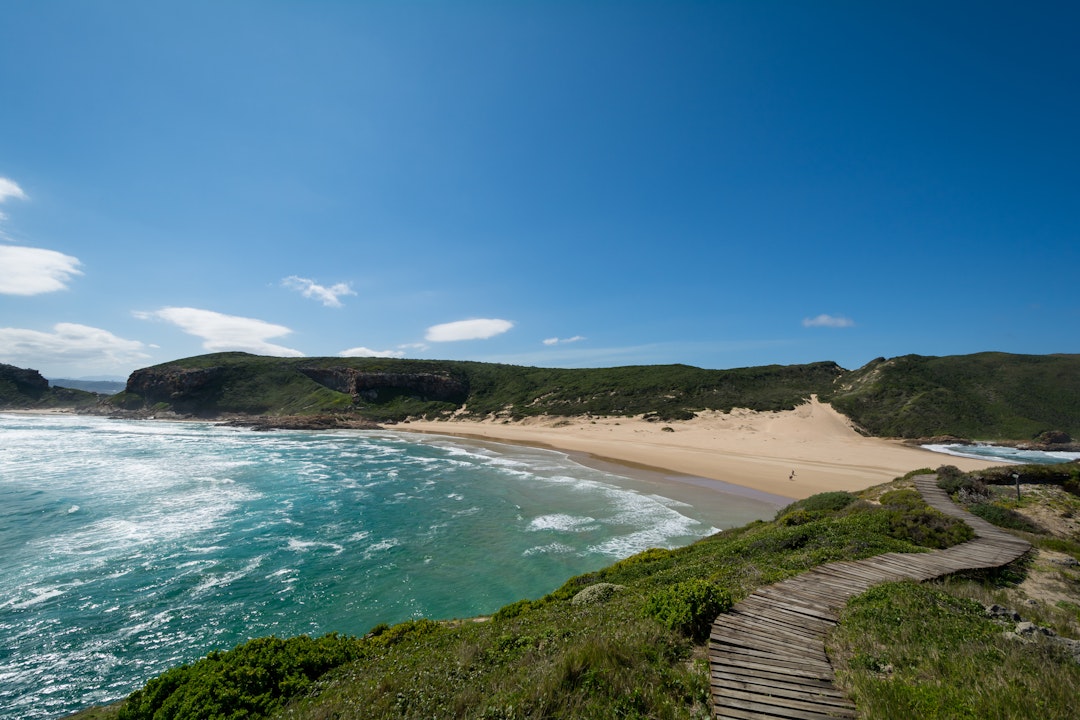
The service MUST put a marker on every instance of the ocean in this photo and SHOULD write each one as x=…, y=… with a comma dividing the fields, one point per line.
x=129, y=547
x=998, y=453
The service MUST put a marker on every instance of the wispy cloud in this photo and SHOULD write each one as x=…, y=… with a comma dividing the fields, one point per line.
x=368, y=352
x=328, y=296
x=833, y=321
x=225, y=332
x=80, y=348
x=478, y=329
x=10, y=189
x=32, y=271
x=563, y=341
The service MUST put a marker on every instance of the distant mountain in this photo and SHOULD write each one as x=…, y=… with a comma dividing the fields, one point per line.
x=22, y=388
x=986, y=396
x=102, y=387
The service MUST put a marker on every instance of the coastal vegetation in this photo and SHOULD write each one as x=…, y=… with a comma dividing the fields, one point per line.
x=988, y=396
x=627, y=641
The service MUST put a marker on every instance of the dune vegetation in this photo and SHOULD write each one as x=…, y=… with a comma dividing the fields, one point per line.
x=989, y=396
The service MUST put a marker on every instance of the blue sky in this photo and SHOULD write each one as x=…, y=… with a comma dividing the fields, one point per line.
x=571, y=184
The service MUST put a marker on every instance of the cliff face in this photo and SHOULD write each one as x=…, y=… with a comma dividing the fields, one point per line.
x=373, y=386
x=185, y=390
x=175, y=385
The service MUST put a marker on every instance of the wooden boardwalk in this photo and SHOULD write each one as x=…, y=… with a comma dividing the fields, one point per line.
x=767, y=655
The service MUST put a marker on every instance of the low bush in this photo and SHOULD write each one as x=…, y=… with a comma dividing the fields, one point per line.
x=251, y=680
x=688, y=607
x=1003, y=517
x=911, y=519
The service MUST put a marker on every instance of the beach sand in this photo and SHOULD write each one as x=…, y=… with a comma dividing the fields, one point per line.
x=793, y=453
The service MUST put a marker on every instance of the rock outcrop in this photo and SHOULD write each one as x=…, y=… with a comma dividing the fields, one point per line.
x=176, y=386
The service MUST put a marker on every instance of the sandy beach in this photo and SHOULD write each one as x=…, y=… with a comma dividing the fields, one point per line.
x=793, y=453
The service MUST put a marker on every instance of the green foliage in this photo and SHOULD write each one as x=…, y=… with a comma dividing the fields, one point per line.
x=904, y=650
x=384, y=635
x=826, y=502
x=251, y=680
x=910, y=518
x=688, y=607
x=991, y=395
x=1003, y=517
x=397, y=389
x=987, y=395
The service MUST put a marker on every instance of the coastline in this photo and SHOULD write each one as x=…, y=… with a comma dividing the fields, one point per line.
x=770, y=456
x=789, y=454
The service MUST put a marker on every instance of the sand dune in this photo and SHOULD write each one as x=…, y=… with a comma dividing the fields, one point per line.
x=758, y=450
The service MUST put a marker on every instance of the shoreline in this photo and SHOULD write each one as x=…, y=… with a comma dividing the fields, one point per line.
x=776, y=457
x=790, y=454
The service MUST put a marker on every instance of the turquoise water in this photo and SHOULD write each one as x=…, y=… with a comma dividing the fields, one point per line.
x=129, y=547
x=1006, y=454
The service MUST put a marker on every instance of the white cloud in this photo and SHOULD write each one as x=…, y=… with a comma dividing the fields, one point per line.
x=479, y=329
x=563, y=341
x=32, y=271
x=70, y=348
x=328, y=296
x=9, y=188
x=833, y=321
x=367, y=352
x=225, y=332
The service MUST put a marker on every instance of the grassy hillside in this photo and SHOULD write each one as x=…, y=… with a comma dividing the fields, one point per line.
x=396, y=389
x=628, y=641
x=993, y=396
x=983, y=396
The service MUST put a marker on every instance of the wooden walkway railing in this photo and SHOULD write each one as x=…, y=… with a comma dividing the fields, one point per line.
x=767, y=655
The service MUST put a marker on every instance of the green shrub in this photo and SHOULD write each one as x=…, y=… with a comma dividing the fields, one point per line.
x=688, y=607
x=950, y=478
x=911, y=519
x=251, y=680
x=1004, y=517
x=817, y=505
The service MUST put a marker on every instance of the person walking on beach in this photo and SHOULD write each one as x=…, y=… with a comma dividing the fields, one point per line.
x=792, y=475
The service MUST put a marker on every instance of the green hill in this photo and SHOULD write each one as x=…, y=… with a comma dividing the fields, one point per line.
x=985, y=396
x=21, y=388
x=390, y=389
x=990, y=396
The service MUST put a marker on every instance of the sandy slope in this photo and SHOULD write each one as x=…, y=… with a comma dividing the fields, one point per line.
x=752, y=449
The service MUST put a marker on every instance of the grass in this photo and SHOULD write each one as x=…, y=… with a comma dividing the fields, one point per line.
x=905, y=650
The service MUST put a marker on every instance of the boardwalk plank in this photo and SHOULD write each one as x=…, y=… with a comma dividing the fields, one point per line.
x=767, y=656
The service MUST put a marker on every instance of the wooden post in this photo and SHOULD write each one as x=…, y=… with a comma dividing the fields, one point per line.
x=1016, y=477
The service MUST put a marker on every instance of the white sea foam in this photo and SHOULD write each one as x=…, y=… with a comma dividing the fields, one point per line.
x=1004, y=454
x=305, y=545
x=223, y=579
x=562, y=522
x=554, y=548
